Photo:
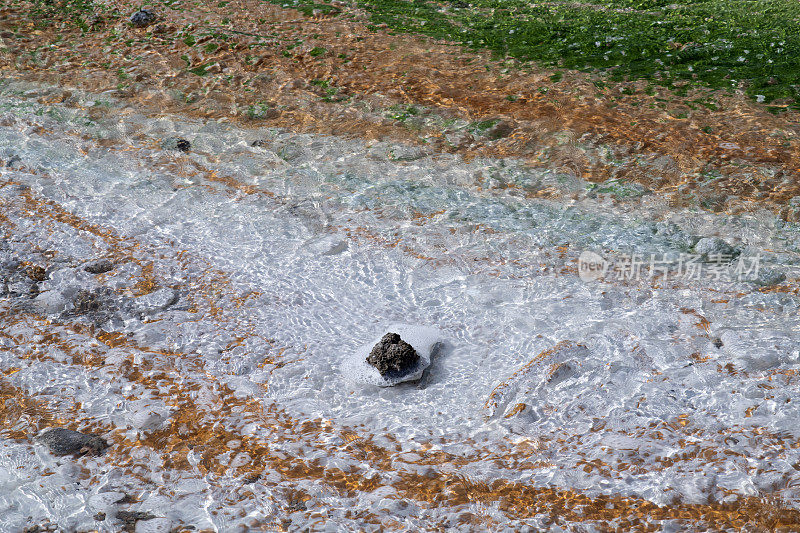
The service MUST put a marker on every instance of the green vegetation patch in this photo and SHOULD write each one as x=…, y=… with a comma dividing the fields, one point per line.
x=401, y=113
x=619, y=188
x=674, y=43
x=79, y=11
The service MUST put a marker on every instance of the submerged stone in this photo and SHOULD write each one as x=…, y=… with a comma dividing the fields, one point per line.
x=36, y=273
x=393, y=356
x=500, y=130
x=156, y=301
x=62, y=441
x=768, y=277
x=176, y=143
x=100, y=266
x=14, y=162
x=130, y=518
x=714, y=248
x=88, y=301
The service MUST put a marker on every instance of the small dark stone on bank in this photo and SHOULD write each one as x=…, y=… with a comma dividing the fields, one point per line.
x=62, y=441
x=393, y=356
x=500, y=130
x=99, y=266
x=129, y=518
x=143, y=18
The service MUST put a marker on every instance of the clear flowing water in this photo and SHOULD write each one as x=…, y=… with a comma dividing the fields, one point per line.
x=255, y=271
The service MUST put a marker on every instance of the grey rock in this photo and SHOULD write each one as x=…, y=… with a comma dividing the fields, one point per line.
x=129, y=518
x=14, y=162
x=51, y=303
x=406, y=153
x=86, y=302
x=336, y=249
x=156, y=301
x=392, y=356
x=17, y=281
x=99, y=266
x=18, y=286
x=143, y=18
x=460, y=140
x=710, y=248
x=793, y=209
x=62, y=441
x=767, y=277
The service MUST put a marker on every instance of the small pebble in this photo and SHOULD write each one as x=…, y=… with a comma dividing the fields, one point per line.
x=62, y=441
x=99, y=266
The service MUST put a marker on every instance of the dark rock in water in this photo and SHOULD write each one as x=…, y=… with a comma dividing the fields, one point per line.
x=129, y=518
x=100, y=306
x=393, y=356
x=14, y=162
x=183, y=145
x=88, y=301
x=63, y=441
x=36, y=273
x=259, y=143
x=18, y=281
x=99, y=266
x=176, y=143
x=143, y=18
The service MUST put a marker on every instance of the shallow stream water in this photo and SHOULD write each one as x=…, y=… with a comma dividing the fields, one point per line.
x=212, y=355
